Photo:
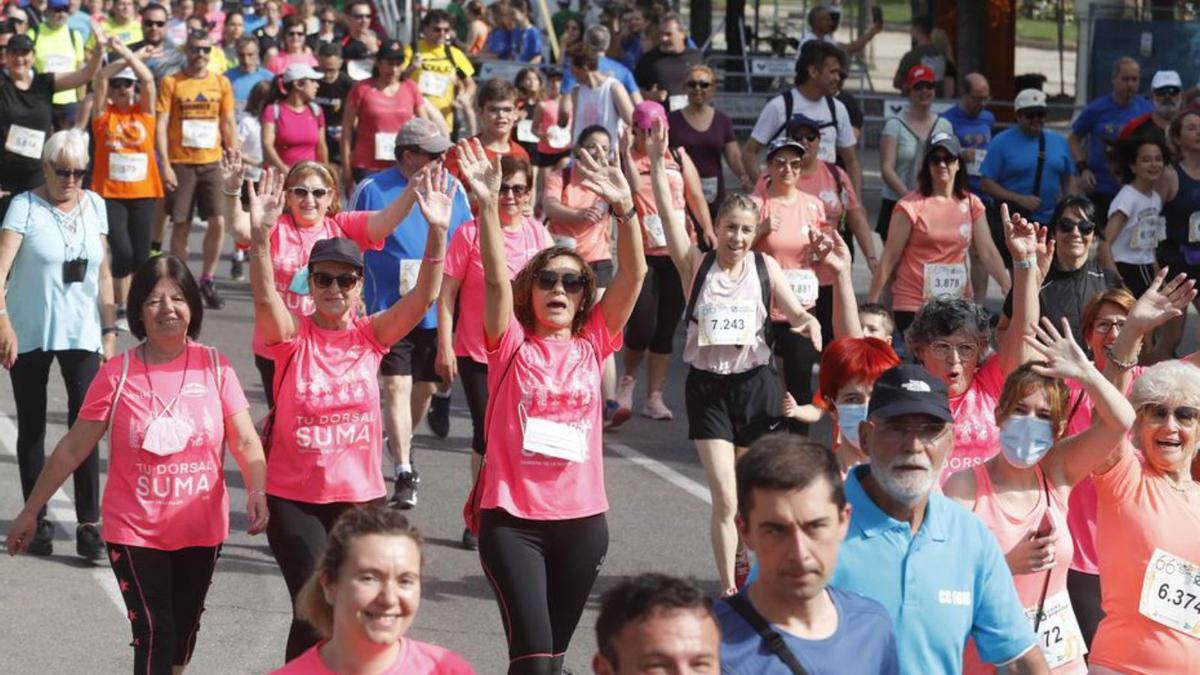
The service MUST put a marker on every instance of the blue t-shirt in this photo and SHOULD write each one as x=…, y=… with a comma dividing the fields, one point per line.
x=81, y=22
x=973, y=133
x=942, y=585
x=46, y=312
x=518, y=44
x=253, y=22
x=608, y=66
x=242, y=82
x=382, y=273
x=1101, y=123
x=1012, y=162
x=863, y=638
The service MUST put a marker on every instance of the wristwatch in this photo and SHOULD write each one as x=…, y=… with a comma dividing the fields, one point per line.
x=1026, y=264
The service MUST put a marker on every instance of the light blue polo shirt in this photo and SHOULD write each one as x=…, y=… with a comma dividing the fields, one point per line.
x=381, y=284
x=941, y=586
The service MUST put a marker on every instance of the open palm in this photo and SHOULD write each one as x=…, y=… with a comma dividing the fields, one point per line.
x=482, y=174
x=603, y=178
x=1063, y=356
x=434, y=198
x=266, y=201
x=1163, y=300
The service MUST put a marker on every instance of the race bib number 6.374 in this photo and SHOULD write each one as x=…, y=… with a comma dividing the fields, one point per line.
x=1171, y=593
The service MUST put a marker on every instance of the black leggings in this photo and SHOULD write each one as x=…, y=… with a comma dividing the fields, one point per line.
x=266, y=373
x=658, y=310
x=797, y=354
x=30, y=375
x=474, y=382
x=542, y=572
x=129, y=226
x=1137, y=278
x=164, y=592
x=296, y=533
x=1084, y=591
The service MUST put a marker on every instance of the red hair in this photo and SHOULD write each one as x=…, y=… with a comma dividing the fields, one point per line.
x=848, y=359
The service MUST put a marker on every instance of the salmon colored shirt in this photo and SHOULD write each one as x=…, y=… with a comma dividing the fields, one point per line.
x=1138, y=513
x=822, y=185
x=592, y=241
x=653, y=228
x=125, y=166
x=785, y=228
x=941, y=235
x=380, y=118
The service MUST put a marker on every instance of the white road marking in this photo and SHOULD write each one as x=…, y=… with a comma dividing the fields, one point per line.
x=662, y=471
x=61, y=510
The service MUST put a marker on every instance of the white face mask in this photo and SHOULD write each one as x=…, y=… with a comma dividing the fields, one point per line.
x=167, y=435
x=1025, y=440
x=850, y=415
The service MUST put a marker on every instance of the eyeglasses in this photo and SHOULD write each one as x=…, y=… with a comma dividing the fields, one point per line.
x=516, y=190
x=361, y=17
x=923, y=86
x=924, y=433
x=345, y=281
x=698, y=84
x=1034, y=114
x=793, y=164
x=67, y=174
x=153, y=24
x=1105, y=326
x=295, y=33
x=1067, y=225
x=1167, y=91
x=120, y=84
x=547, y=280
x=300, y=192
x=201, y=50
x=1158, y=413
x=942, y=350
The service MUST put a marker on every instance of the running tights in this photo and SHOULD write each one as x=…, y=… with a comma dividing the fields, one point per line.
x=130, y=222
x=164, y=594
x=1084, y=591
x=658, y=310
x=474, y=381
x=542, y=572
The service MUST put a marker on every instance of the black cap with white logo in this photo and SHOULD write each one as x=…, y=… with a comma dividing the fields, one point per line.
x=909, y=390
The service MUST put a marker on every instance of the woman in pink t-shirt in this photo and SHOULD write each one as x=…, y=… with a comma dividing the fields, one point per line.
x=326, y=442
x=363, y=597
x=931, y=230
x=295, y=50
x=169, y=406
x=293, y=126
x=1022, y=493
x=539, y=503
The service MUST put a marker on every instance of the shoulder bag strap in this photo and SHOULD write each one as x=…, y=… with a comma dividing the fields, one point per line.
x=112, y=413
x=706, y=262
x=773, y=640
x=1037, y=618
x=1041, y=164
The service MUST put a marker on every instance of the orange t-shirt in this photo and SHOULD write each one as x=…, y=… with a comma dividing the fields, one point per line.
x=125, y=166
x=784, y=235
x=934, y=260
x=196, y=106
x=1137, y=513
x=653, y=233
x=592, y=241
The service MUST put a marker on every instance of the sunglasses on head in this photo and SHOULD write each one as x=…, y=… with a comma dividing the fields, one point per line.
x=120, y=84
x=300, y=192
x=698, y=84
x=547, y=280
x=345, y=280
x=1034, y=114
x=516, y=190
x=66, y=174
x=1067, y=225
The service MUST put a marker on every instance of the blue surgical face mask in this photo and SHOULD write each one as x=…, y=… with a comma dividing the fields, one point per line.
x=850, y=415
x=299, y=283
x=1025, y=440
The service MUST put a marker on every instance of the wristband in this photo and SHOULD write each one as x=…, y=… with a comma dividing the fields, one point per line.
x=227, y=193
x=253, y=493
x=1026, y=264
x=623, y=218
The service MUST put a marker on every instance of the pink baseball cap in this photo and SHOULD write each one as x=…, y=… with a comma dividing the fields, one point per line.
x=919, y=73
x=646, y=112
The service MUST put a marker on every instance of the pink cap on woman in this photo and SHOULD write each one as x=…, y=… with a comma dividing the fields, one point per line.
x=646, y=112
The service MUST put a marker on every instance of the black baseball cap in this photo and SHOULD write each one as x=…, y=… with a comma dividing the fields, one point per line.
x=20, y=43
x=329, y=49
x=390, y=50
x=336, y=249
x=909, y=389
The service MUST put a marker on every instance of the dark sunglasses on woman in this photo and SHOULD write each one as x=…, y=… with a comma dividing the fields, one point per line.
x=345, y=281
x=572, y=282
x=1085, y=227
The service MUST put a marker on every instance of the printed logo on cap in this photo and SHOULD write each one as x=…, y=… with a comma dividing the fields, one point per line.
x=916, y=386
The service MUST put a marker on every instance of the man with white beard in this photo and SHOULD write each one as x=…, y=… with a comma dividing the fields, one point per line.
x=932, y=564
x=1166, y=89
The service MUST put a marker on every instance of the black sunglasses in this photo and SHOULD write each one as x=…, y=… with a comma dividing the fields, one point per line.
x=942, y=158
x=120, y=84
x=809, y=137
x=360, y=17
x=572, y=282
x=1167, y=91
x=300, y=192
x=66, y=174
x=698, y=84
x=153, y=24
x=1085, y=227
x=345, y=280
x=294, y=33
x=1034, y=114
x=516, y=190
x=201, y=50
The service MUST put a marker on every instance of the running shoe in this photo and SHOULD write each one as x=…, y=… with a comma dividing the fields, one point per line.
x=237, y=266
x=156, y=249
x=470, y=541
x=610, y=412
x=212, y=298
x=741, y=567
x=405, y=496
x=655, y=409
x=88, y=543
x=438, y=416
x=624, y=402
x=43, y=538
x=122, y=322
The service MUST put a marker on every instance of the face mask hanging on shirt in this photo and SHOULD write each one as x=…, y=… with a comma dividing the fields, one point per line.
x=850, y=415
x=1025, y=440
x=167, y=435
x=299, y=283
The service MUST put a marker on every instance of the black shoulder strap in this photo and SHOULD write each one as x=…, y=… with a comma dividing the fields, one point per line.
x=788, y=105
x=764, y=281
x=706, y=263
x=832, y=116
x=773, y=640
x=1041, y=164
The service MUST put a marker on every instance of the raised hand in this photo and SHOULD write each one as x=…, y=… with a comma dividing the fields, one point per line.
x=656, y=142
x=233, y=171
x=829, y=250
x=1045, y=251
x=266, y=203
x=1163, y=300
x=482, y=174
x=1019, y=234
x=433, y=198
x=1063, y=356
x=604, y=178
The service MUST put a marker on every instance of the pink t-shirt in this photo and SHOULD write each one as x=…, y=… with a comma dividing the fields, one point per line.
x=941, y=235
x=296, y=133
x=279, y=62
x=290, y=247
x=548, y=117
x=380, y=113
x=592, y=241
x=785, y=227
x=1138, y=513
x=976, y=437
x=327, y=442
x=555, y=382
x=179, y=500
x=414, y=658
x=463, y=262
x=822, y=185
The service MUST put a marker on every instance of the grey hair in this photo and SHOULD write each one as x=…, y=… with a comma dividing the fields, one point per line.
x=1169, y=383
x=940, y=317
x=68, y=146
x=598, y=38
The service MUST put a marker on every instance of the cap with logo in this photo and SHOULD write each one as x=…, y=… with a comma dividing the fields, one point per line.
x=784, y=143
x=1029, y=98
x=421, y=133
x=1164, y=79
x=336, y=249
x=390, y=50
x=909, y=389
x=945, y=141
x=919, y=73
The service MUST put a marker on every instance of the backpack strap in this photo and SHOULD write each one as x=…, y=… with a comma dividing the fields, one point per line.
x=764, y=279
x=112, y=412
x=770, y=636
x=841, y=193
x=832, y=116
x=706, y=263
x=788, y=106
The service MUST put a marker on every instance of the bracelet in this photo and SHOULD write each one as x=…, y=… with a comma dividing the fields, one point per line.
x=1026, y=264
x=3, y=311
x=108, y=330
x=624, y=217
x=227, y=193
x=432, y=261
x=253, y=493
x=1123, y=365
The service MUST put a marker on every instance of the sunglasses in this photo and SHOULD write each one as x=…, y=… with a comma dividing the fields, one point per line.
x=809, y=137
x=295, y=33
x=1167, y=91
x=1034, y=115
x=1067, y=225
x=345, y=281
x=942, y=158
x=361, y=17
x=201, y=50
x=153, y=24
x=120, y=84
x=547, y=280
x=67, y=174
x=515, y=190
x=923, y=86
x=698, y=84
x=1158, y=413
x=300, y=192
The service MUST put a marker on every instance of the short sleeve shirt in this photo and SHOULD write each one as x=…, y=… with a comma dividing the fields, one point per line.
x=242, y=83
x=976, y=436
x=974, y=133
x=591, y=240
x=1141, y=212
x=1101, y=122
x=941, y=233
x=609, y=66
x=1012, y=162
x=705, y=148
x=836, y=130
x=380, y=117
x=437, y=79
x=910, y=150
x=665, y=70
x=196, y=106
x=414, y=658
x=25, y=116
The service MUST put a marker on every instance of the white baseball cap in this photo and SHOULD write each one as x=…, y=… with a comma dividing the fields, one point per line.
x=300, y=71
x=1030, y=98
x=1166, y=78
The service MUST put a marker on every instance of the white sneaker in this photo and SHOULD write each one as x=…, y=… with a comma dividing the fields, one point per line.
x=655, y=409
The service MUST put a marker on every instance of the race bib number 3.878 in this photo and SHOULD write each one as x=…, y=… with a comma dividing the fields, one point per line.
x=1171, y=593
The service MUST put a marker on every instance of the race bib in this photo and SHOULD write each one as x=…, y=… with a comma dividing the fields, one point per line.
x=59, y=63
x=334, y=132
x=385, y=146
x=945, y=280
x=558, y=138
x=434, y=84
x=24, y=141
x=709, y=187
x=564, y=241
x=804, y=286
x=409, y=269
x=974, y=166
x=726, y=322
x=1146, y=233
x=1058, y=632
x=827, y=152
x=127, y=168
x=200, y=134
x=677, y=102
x=554, y=439
x=654, y=229
x=1171, y=593
x=525, y=132
x=1194, y=228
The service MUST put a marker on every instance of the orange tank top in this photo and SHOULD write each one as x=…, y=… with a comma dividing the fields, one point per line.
x=125, y=167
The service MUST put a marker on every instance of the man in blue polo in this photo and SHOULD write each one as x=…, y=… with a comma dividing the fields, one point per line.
x=407, y=372
x=933, y=565
x=973, y=124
